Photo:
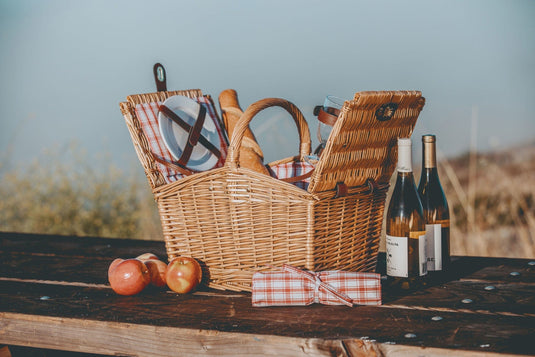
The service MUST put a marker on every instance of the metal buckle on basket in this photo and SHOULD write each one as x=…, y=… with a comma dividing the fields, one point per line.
x=386, y=111
x=371, y=184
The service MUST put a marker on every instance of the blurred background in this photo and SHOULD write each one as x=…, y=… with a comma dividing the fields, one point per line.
x=67, y=163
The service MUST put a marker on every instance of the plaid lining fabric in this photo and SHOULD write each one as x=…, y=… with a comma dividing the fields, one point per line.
x=292, y=286
x=292, y=169
x=147, y=113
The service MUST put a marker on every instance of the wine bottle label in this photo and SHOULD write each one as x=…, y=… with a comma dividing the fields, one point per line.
x=422, y=255
x=397, y=256
x=404, y=155
x=433, y=240
x=422, y=260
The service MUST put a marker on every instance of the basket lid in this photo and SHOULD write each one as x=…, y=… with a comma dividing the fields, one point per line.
x=362, y=143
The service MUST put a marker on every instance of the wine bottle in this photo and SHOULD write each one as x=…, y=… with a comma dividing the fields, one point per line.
x=436, y=211
x=406, y=263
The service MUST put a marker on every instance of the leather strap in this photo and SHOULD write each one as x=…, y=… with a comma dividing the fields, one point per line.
x=193, y=136
x=184, y=171
x=341, y=190
x=328, y=116
x=160, y=78
x=298, y=178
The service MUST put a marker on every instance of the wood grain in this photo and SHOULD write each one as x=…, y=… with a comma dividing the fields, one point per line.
x=54, y=294
x=76, y=246
x=122, y=339
x=233, y=313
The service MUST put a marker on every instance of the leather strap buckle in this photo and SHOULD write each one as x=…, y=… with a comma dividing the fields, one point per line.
x=160, y=77
x=341, y=190
x=372, y=185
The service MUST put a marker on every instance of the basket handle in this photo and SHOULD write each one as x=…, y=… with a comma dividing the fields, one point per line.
x=233, y=155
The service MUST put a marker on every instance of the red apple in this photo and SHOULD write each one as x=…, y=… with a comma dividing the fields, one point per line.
x=146, y=256
x=157, y=270
x=114, y=264
x=183, y=274
x=129, y=277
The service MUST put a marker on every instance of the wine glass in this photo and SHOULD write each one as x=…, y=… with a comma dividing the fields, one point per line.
x=327, y=116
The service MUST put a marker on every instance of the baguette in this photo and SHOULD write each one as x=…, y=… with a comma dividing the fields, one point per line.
x=251, y=155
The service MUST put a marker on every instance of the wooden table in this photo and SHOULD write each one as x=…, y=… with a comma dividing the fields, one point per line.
x=54, y=295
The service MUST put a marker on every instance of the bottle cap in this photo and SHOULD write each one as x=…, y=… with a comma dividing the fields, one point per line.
x=429, y=151
x=404, y=155
x=429, y=138
x=404, y=142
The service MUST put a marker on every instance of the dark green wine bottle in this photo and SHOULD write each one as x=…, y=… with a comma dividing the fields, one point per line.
x=436, y=211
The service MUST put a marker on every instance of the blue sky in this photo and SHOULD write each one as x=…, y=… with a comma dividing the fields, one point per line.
x=65, y=65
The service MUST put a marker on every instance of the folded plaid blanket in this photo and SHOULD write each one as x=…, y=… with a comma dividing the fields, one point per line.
x=147, y=113
x=293, y=286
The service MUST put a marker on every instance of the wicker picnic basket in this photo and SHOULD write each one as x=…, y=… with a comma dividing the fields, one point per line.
x=236, y=221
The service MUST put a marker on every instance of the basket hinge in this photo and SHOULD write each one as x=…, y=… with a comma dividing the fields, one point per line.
x=341, y=190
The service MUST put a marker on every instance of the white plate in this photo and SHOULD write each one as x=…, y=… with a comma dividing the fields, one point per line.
x=175, y=137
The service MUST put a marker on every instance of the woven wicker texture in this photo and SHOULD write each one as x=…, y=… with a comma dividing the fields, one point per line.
x=243, y=125
x=363, y=147
x=236, y=221
x=139, y=140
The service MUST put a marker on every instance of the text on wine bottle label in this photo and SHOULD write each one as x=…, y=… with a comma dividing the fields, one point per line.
x=397, y=262
x=433, y=242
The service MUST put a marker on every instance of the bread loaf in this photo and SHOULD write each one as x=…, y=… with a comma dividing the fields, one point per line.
x=251, y=156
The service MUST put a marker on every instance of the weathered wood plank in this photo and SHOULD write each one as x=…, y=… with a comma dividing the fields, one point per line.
x=360, y=348
x=56, y=279
x=78, y=246
x=512, y=298
x=23, y=351
x=233, y=313
x=508, y=272
x=471, y=297
x=57, y=267
x=483, y=269
x=122, y=339
x=464, y=268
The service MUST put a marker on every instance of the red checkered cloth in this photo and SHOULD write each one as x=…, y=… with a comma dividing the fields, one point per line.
x=293, y=286
x=147, y=113
x=292, y=169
